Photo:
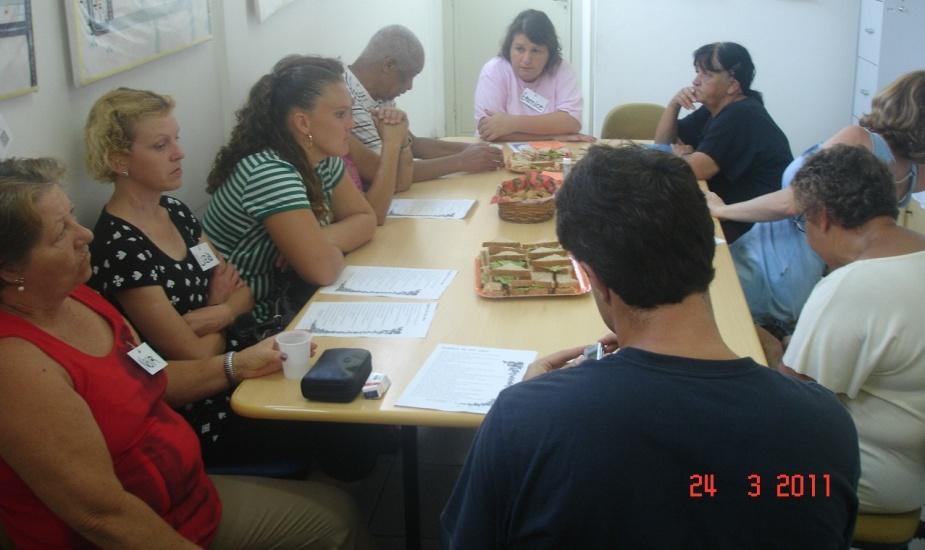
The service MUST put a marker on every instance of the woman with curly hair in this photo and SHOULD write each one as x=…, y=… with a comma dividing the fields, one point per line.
x=860, y=332
x=148, y=245
x=281, y=196
x=148, y=250
x=774, y=262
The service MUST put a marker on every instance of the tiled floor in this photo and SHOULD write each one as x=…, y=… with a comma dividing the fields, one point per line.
x=441, y=452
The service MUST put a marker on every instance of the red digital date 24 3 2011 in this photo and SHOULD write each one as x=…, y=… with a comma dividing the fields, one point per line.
x=786, y=486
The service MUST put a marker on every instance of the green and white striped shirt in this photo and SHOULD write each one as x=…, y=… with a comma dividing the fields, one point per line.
x=261, y=185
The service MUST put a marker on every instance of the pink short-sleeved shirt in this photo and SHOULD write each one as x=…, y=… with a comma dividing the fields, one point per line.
x=499, y=90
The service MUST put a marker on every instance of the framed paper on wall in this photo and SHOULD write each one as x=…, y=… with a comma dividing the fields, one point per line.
x=266, y=8
x=110, y=36
x=17, y=49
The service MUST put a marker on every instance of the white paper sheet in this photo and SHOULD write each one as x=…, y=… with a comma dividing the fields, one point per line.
x=400, y=282
x=450, y=209
x=465, y=378
x=920, y=197
x=374, y=319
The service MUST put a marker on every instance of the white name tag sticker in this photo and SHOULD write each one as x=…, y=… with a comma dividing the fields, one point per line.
x=533, y=100
x=147, y=358
x=204, y=256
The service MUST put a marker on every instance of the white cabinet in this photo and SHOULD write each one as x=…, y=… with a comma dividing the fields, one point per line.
x=891, y=42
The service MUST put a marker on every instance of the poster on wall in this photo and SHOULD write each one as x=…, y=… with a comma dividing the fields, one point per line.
x=17, y=49
x=110, y=36
x=266, y=8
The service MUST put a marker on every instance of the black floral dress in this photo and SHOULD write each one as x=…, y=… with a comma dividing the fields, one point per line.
x=124, y=258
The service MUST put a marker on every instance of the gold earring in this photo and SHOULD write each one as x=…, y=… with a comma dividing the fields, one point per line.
x=311, y=140
x=20, y=284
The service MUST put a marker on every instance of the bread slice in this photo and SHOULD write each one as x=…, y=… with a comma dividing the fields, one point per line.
x=543, y=251
x=493, y=289
x=511, y=271
x=542, y=244
x=527, y=288
x=566, y=284
x=543, y=279
x=512, y=244
x=499, y=246
x=552, y=260
x=509, y=255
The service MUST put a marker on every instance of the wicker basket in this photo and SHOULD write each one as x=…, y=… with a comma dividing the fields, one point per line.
x=527, y=211
x=514, y=205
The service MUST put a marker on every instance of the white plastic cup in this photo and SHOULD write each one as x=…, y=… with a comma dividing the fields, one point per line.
x=566, y=167
x=296, y=344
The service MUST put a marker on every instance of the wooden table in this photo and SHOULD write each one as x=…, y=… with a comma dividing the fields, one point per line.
x=543, y=324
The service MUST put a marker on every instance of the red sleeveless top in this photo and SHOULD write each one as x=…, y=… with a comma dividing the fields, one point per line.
x=155, y=453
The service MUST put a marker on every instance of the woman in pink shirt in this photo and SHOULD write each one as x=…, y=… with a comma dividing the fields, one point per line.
x=528, y=91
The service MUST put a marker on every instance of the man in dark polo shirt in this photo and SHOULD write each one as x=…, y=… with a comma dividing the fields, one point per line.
x=671, y=440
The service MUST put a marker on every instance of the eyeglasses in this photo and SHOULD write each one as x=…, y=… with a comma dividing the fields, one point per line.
x=800, y=222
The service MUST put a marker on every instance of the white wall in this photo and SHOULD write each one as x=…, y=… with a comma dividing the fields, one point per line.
x=210, y=81
x=50, y=122
x=334, y=28
x=804, y=52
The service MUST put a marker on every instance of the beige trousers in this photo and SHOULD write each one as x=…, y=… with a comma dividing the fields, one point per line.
x=262, y=513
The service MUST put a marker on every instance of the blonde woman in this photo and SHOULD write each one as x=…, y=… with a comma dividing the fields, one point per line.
x=149, y=249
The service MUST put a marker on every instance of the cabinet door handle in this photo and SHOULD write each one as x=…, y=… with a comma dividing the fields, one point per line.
x=864, y=92
x=869, y=30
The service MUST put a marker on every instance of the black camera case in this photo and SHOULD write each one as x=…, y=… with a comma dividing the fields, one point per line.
x=338, y=375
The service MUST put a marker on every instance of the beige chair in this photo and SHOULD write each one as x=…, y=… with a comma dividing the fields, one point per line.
x=885, y=531
x=632, y=121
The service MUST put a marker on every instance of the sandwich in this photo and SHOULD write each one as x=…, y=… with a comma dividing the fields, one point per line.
x=553, y=260
x=543, y=251
x=507, y=255
x=566, y=284
x=493, y=289
x=530, y=287
x=499, y=246
x=508, y=271
x=543, y=244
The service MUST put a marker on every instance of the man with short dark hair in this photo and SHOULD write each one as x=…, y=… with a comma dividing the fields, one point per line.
x=384, y=70
x=671, y=440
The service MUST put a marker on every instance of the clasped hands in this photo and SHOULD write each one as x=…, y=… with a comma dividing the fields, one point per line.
x=391, y=123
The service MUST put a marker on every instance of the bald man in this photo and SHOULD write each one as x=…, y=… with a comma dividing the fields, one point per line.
x=386, y=69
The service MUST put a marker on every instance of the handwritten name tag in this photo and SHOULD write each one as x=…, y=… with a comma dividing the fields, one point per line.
x=204, y=256
x=533, y=100
x=147, y=358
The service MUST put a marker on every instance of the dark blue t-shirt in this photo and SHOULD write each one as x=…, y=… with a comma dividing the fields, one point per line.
x=608, y=454
x=747, y=145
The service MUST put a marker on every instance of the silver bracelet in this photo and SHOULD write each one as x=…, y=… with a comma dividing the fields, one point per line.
x=229, y=369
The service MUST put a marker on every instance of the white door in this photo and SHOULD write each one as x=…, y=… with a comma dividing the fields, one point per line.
x=475, y=29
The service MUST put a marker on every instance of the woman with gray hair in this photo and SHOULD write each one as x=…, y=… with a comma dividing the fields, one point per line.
x=91, y=450
x=774, y=262
x=860, y=332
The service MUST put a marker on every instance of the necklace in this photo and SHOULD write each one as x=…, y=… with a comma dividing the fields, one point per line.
x=907, y=192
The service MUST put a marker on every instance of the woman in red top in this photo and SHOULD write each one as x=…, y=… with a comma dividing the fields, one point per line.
x=90, y=449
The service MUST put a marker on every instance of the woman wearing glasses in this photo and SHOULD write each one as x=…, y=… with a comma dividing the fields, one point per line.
x=775, y=264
